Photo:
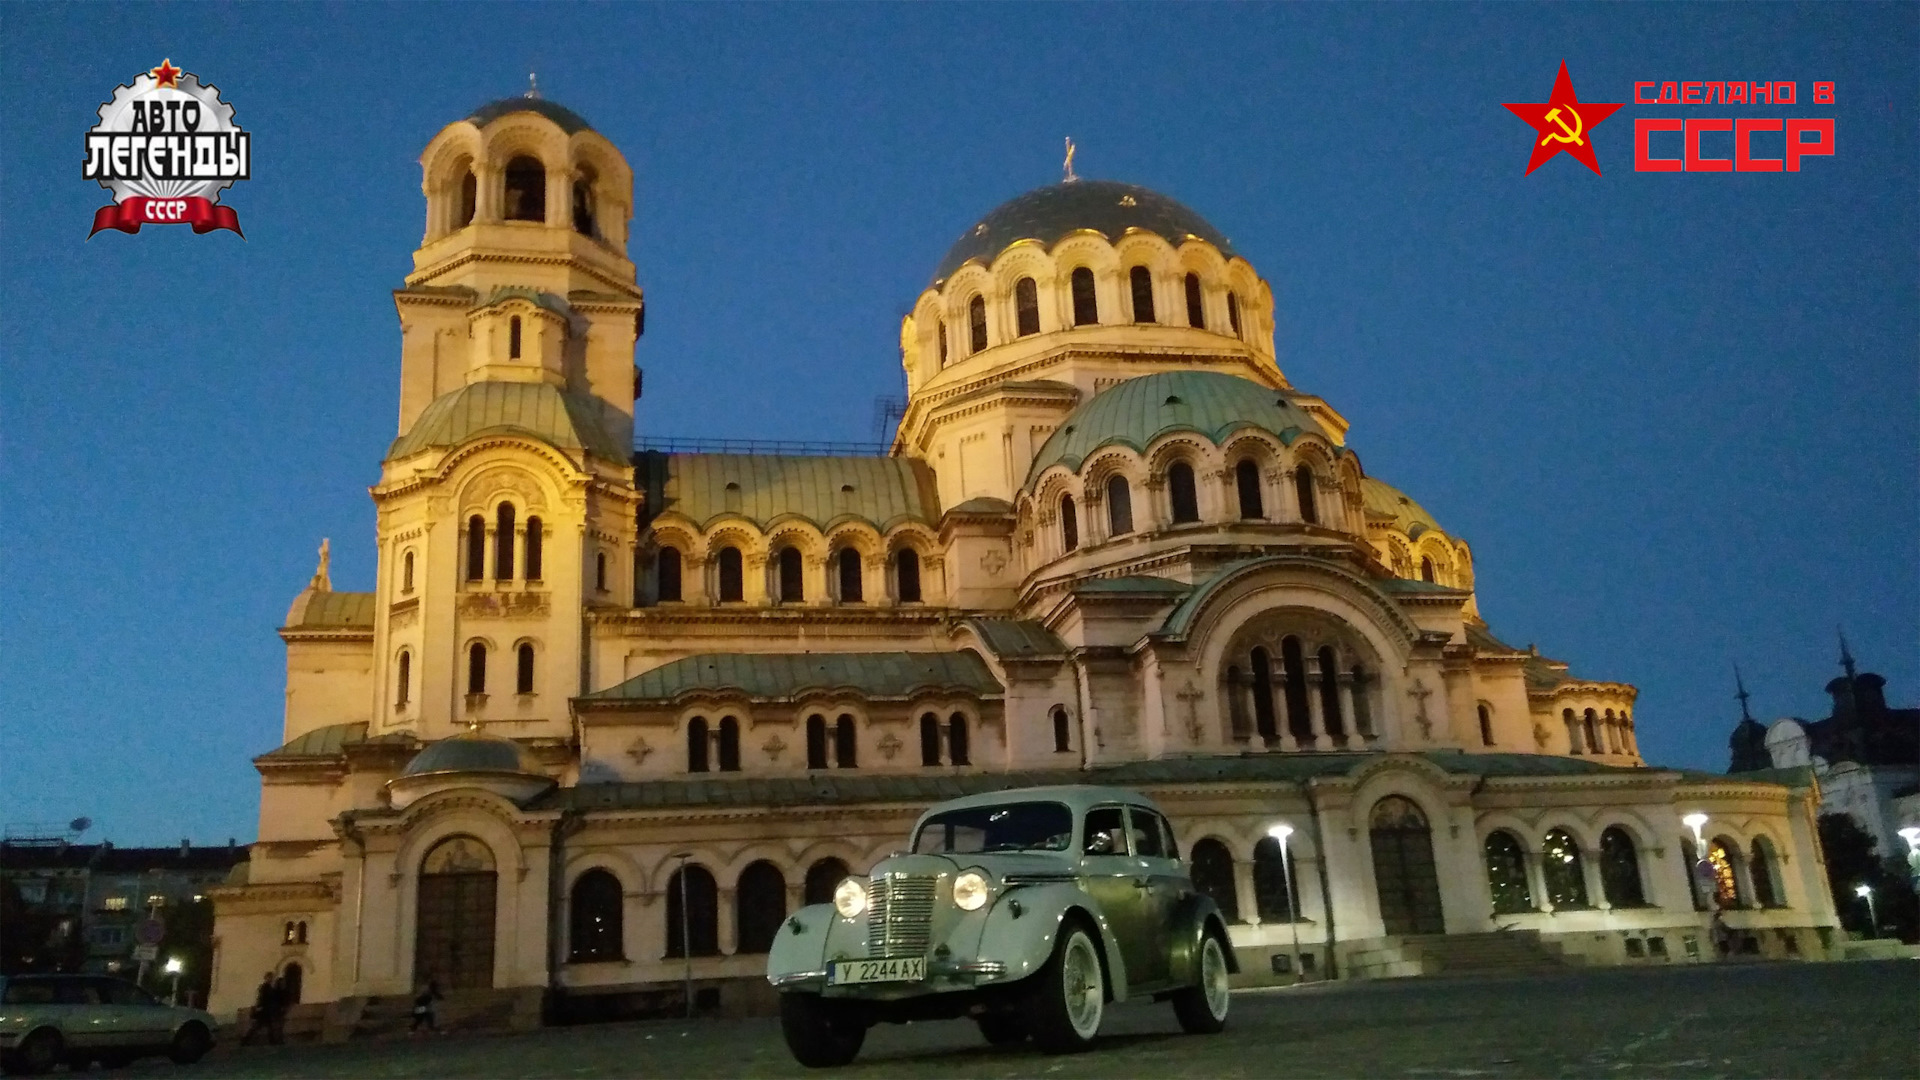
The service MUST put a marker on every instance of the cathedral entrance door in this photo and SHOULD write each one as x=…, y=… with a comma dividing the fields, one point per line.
x=1403, y=868
x=453, y=935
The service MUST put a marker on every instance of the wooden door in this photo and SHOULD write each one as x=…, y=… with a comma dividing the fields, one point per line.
x=1403, y=869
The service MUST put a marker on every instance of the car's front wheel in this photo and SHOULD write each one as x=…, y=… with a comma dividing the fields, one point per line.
x=1202, y=1007
x=39, y=1052
x=1069, y=994
x=821, y=1033
x=190, y=1043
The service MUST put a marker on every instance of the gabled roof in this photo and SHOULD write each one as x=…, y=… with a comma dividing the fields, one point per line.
x=763, y=488
x=784, y=676
x=560, y=418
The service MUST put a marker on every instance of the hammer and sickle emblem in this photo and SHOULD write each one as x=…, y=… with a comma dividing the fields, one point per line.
x=1567, y=135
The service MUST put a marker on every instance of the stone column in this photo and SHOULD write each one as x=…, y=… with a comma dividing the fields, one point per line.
x=1536, y=879
x=753, y=572
x=1243, y=891
x=1286, y=504
x=1278, y=682
x=489, y=193
x=1316, y=712
x=1352, y=726
x=729, y=936
x=1590, y=872
x=491, y=558
x=559, y=199
x=1158, y=515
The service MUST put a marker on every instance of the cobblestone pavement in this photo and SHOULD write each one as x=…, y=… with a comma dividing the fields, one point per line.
x=1763, y=1020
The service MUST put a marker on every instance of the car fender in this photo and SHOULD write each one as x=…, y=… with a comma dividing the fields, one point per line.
x=1024, y=941
x=1195, y=919
x=808, y=939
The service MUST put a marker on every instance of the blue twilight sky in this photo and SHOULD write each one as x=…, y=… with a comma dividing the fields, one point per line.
x=1675, y=415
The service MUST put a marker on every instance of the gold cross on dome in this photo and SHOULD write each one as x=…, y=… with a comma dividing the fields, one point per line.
x=1068, y=166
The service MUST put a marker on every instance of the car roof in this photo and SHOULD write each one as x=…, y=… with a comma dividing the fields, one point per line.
x=1078, y=797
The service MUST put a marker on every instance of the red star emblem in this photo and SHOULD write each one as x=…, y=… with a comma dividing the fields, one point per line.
x=1563, y=123
x=166, y=75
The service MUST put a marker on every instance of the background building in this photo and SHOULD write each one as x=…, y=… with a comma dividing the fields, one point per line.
x=1111, y=541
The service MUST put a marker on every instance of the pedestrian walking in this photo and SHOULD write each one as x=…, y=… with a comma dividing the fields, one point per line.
x=277, y=1018
x=423, y=1006
x=1721, y=935
x=260, y=1018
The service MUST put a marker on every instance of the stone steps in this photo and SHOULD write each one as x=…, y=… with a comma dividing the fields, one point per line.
x=1504, y=953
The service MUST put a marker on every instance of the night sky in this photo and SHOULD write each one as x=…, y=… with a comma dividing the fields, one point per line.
x=1675, y=414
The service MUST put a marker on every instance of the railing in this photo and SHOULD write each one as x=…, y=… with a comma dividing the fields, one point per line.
x=760, y=446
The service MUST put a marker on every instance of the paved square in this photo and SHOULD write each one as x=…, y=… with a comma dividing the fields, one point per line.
x=1736, y=1020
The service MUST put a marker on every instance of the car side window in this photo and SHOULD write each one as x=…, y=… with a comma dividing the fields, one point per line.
x=1144, y=826
x=76, y=992
x=1105, y=822
x=121, y=992
x=1172, y=845
x=35, y=992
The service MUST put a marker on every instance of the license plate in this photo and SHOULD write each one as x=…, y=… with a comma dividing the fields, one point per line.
x=895, y=969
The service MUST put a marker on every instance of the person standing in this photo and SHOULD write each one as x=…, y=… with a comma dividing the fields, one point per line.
x=277, y=1019
x=423, y=1006
x=259, y=1020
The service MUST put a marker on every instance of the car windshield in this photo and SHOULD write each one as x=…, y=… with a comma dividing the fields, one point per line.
x=1023, y=826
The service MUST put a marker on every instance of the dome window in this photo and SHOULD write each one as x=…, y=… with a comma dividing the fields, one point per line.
x=1119, y=506
x=534, y=536
x=1233, y=312
x=469, y=199
x=847, y=562
x=503, y=543
x=526, y=190
x=728, y=571
x=1246, y=479
x=583, y=220
x=792, y=588
x=1173, y=400
x=1303, y=489
x=977, y=324
x=1426, y=570
x=941, y=332
x=1180, y=489
x=513, y=338
x=1196, y=313
x=1142, y=281
x=476, y=548
x=1086, y=307
x=906, y=573
x=1069, y=525
x=667, y=572
x=1026, y=304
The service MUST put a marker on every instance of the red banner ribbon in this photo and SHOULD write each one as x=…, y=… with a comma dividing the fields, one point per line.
x=203, y=214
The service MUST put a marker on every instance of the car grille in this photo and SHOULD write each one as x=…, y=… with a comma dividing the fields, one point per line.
x=899, y=915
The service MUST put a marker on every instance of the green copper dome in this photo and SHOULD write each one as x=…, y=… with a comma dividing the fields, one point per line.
x=568, y=120
x=1138, y=411
x=559, y=418
x=1050, y=213
x=472, y=752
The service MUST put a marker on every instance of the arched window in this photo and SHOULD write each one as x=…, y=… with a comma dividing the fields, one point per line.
x=1196, y=309
x=600, y=571
x=728, y=571
x=469, y=200
x=406, y=573
x=729, y=744
x=526, y=190
x=1760, y=867
x=1426, y=570
x=300, y=937
x=693, y=923
x=536, y=535
x=1507, y=875
x=1142, y=281
x=403, y=680
x=1263, y=716
x=929, y=739
x=1212, y=866
x=848, y=563
x=822, y=878
x=816, y=742
x=594, y=913
x=1180, y=491
x=1233, y=312
x=1119, y=506
x=1620, y=869
x=697, y=744
x=1573, y=730
x=760, y=906
x=667, y=571
x=1246, y=482
x=513, y=338
x=941, y=329
x=977, y=324
x=1276, y=888
x=957, y=740
x=476, y=548
x=1590, y=725
x=1486, y=724
x=583, y=222
x=1293, y=663
x=292, y=976
x=846, y=743
x=1330, y=713
x=1062, y=731
x=1069, y=525
x=1690, y=856
x=1560, y=867
x=523, y=669
x=1303, y=490
x=286, y=934
x=1086, y=309
x=1362, y=710
x=906, y=575
x=1721, y=852
x=477, y=668
x=503, y=542
x=792, y=588
x=1026, y=306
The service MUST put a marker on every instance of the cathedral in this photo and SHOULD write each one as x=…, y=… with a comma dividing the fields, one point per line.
x=607, y=716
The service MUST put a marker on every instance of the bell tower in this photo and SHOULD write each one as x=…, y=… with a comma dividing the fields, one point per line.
x=506, y=504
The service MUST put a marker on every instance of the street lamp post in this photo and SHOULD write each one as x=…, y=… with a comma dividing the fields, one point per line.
x=173, y=968
x=1865, y=892
x=1698, y=821
x=1281, y=832
x=686, y=929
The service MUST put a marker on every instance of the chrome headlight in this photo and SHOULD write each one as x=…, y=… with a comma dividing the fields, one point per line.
x=970, y=890
x=850, y=899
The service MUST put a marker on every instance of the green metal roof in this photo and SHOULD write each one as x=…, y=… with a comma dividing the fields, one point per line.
x=1133, y=586
x=322, y=742
x=568, y=120
x=1142, y=409
x=1408, y=516
x=764, y=488
x=1050, y=213
x=782, y=676
x=1481, y=638
x=1018, y=639
x=326, y=610
x=559, y=418
x=1415, y=587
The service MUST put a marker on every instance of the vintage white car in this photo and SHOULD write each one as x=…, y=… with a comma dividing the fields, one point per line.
x=47, y=1020
x=1027, y=910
